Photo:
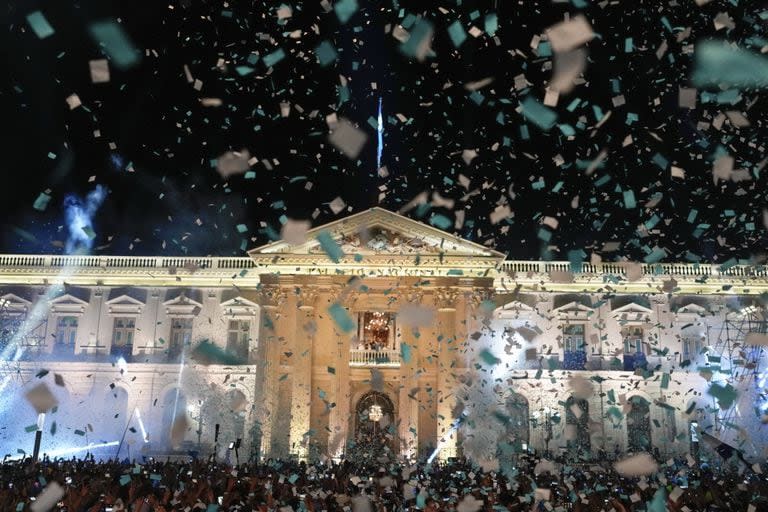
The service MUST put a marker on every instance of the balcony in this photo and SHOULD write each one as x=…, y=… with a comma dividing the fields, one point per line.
x=366, y=357
x=634, y=361
x=576, y=360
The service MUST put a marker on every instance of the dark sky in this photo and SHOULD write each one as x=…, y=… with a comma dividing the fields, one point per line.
x=158, y=143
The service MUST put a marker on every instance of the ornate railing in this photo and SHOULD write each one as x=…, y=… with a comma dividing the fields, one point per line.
x=729, y=269
x=374, y=357
x=142, y=262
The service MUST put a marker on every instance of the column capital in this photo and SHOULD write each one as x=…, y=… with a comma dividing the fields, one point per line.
x=446, y=297
x=307, y=297
x=271, y=296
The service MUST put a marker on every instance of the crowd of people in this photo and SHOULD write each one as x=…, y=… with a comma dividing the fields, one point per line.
x=530, y=484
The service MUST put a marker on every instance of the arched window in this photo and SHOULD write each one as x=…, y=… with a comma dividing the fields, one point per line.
x=174, y=407
x=518, y=426
x=577, y=425
x=639, y=425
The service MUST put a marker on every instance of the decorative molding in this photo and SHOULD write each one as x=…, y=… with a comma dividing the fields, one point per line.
x=239, y=307
x=67, y=305
x=182, y=307
x=308, y=296
x=272, y=296
x=446, y=298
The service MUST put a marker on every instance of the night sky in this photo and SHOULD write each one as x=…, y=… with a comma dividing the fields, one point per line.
x=647, y=174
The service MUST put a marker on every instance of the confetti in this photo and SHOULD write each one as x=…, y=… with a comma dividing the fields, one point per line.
x=40, y=25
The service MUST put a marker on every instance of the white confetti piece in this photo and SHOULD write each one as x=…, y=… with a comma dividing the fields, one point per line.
x=295, y=231
x=99, y=71
x=347, y=138
x=41, y=398
x=637, y=465
x=73, y=100
x=567, y=35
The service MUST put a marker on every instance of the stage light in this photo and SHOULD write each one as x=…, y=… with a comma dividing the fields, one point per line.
x=144, y=435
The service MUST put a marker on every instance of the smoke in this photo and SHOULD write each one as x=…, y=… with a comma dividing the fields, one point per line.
x=78, y=215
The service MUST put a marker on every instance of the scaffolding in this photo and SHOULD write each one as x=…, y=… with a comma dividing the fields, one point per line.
x=737, y=358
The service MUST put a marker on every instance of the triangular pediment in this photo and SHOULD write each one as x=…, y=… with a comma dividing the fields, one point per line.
x=67, y=300
x=14, y=300
x=124, y=300
x=381, y=232
x=182, y=300
x=691, y=309
x=573, y=308
x=512, y=309
x=632, y=308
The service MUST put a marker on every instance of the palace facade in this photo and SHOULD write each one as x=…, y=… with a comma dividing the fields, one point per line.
x=377, y=325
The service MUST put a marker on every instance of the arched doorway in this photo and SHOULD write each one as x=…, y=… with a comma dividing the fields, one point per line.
x=518, y=427
x=374, y=425
x=639, y=425
x=577, y=426
x=174, y=406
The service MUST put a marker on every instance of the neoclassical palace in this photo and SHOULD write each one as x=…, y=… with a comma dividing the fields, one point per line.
x=379, y=326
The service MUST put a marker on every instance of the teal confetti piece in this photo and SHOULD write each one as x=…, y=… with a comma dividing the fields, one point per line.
x=274, y=57
x=326, y=53
x=332, y=370
x=212, y=507
x=488, y=358
x=440, y=221
x=41, y=203
x=207, y=353
x=457, y=33
x=116, y=43
x=539, y=114
x=628, y=45
x=405, y=352
x=629, y=200
x=329, y=246
x=491, y=23
x=125, y=480
x=53, y=428
x=79, y=433
x=89, y=232
x=30, y=428
x=244, y=70
x=665, y=381
x=420, y=35
x=725, y=395
x=242, y=228
x=156, y=477
x=717, y=64
x=341, y=317
x=40, y=25
x=345, y=9
x=292, y=479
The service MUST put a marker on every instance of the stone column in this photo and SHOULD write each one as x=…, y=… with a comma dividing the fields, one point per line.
x=445, y=301
x=301, y=374
x=336, y=344
x=285, y=331
x=268, y=360
x=408, y=404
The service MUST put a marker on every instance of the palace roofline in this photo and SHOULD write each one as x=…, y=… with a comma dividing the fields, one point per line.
x=553, y=276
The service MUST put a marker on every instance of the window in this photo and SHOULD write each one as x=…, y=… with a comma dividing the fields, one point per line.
x=181, y=334
x=573, y=338
x=9, y=325
x=238, y=337
x=633, y=340
x=577, y=425
x=670, y=425
x=66, y=331
x=377, y=331
x=122, y=335
x=639, y=425
x=691, y=347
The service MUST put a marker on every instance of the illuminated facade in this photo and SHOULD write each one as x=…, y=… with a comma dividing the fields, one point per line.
x=379, y=325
